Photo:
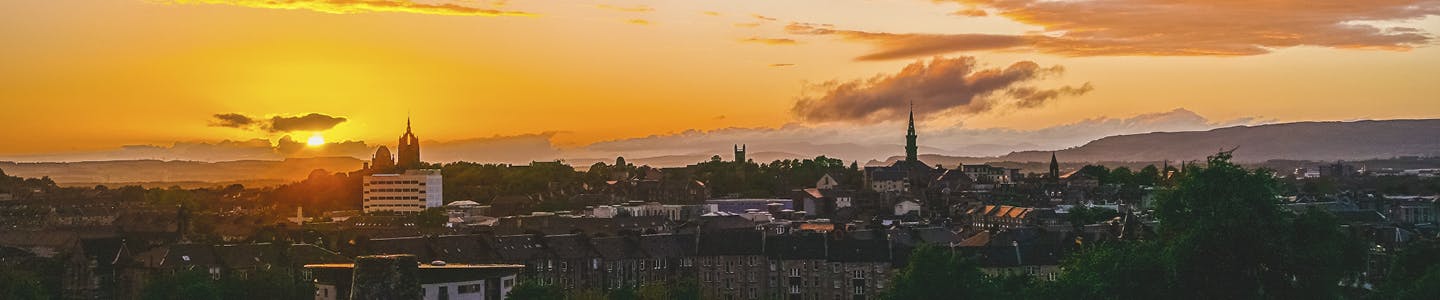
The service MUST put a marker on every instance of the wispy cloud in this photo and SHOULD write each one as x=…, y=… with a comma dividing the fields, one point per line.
x=641, y=22
x=366, y=6
x=629, y=9
x=771, y=41
x=1162, y=28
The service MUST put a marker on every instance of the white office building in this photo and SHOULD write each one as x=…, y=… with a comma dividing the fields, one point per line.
x=412, y=191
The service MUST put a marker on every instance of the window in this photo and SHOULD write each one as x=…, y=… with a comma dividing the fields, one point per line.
x=444, y=293
x=469, y=288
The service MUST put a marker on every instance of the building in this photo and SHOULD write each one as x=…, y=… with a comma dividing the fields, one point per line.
x=399, y=275
x=908, y=175
x=409, y=147
x=407, y=158
x=740, y=153
x=412, y=191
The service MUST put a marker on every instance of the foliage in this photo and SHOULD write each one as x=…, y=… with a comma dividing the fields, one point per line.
x=432, y=218
x=260, y=284
x=937, y=273
x=530, y=290
x=1082, y=215
x=1114, y=271
x=1414, y=273
x=191, y=284
x=21, y=285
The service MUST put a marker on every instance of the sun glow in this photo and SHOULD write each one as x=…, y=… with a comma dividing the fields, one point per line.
x=316, y=140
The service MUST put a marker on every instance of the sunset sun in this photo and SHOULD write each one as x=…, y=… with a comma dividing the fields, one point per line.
x=315, y=140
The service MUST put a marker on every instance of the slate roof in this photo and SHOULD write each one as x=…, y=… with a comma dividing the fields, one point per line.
x=519, y=248
x=668, y=245
x=569, y=246
x=734, y=242
x=617, y=247
x=795, y=246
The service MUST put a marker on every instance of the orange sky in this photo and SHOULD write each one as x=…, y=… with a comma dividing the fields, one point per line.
x=95, y=75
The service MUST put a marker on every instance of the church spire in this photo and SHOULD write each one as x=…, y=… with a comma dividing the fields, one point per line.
x=1054, y=167
x=910, y=148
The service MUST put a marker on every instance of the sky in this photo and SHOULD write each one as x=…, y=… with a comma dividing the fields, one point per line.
x=518, y=80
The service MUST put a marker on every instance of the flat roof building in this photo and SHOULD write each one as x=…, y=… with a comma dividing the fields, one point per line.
x=412, y=191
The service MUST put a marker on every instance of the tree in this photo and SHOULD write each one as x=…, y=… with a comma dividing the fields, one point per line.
x=937, y=273
x=432, y=218
x=1414, y=273
x=530, y=290
x=194, y=284
x=21, y=285
x=1120, y=270
x=1226, y=236
x=1082, y=215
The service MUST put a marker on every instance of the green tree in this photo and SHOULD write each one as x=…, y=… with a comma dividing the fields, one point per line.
x=937, y=273
x=530, y=290
x=21, y=285
x=184, y=285
x=1226, y=236
x=1414, y=273
x=1121, y=270
x=432, y=218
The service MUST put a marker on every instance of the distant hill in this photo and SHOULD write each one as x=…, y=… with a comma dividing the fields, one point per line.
x=159, y=173
x=1318, y=141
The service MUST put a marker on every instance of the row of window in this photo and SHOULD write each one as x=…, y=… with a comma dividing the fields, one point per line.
x=395, y=191
x=394, y=205
x=396, y=182
x=393, y=198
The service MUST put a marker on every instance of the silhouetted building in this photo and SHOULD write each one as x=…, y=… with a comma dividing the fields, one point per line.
x=740, y=153
x=382, y=161
x=409, y=157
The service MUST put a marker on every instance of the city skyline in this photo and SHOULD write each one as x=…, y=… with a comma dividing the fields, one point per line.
x=592, y=79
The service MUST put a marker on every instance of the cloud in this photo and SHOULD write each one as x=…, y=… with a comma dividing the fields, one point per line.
x=771, y=41
x=889, y=46
x=277, y=124
x=628, y=9
x=970, y=12
x=1163, y=28
x=711, y=13
x=309, y=122
x=763, y=18
x=232, y=120
x=944, y=85
x=366, y=6
x=224, y=150
x=782, y=65
x=641, y=22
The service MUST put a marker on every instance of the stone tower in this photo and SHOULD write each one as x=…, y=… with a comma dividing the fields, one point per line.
x=409, y=156
x=740, y=153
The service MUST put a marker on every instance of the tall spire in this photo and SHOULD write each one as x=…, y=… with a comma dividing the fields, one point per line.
x=1054, y=167
x=910, y=148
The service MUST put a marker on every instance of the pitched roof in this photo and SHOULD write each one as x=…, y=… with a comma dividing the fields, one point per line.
x=569, y=246
x=668, y=245
x=617, y=247
x=732, y=242
x=795, y=246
